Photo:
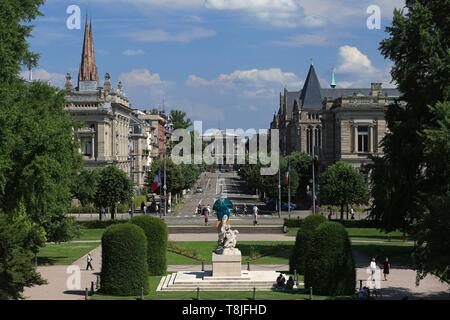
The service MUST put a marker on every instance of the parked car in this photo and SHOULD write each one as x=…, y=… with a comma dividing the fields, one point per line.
x=199, y=190
x=285, y=206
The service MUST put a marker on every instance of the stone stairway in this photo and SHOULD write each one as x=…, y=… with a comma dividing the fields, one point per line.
x=203, y=280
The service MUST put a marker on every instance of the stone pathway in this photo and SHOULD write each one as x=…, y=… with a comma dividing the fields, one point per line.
x=56, y=276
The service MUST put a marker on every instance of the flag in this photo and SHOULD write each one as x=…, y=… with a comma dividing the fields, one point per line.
x=286, y=176
x=156, y=182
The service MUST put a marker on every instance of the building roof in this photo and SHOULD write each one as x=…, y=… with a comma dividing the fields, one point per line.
x=311, y=94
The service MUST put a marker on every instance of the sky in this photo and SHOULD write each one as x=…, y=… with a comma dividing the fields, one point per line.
x=224, y=62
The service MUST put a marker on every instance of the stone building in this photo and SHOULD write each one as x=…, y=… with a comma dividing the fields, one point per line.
x=104, y=113
x=332, y=122
x=158, y=124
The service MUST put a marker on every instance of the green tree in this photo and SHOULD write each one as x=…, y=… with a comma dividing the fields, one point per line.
x=179, y=120
x=114, y=187
x=407, y=179
x=20, y=239
x=301, y=162
x=342, y=185
x=14, y=33
x=85, y=186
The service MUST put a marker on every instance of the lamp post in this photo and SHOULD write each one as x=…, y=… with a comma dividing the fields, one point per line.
x=314, y=158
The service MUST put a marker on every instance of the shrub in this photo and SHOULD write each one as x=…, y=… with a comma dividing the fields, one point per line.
x=156, y=231
x=302, y=242
x=124, y=255
x=329, y=265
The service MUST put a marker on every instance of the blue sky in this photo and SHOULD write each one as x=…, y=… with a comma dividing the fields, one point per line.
x=222, y=61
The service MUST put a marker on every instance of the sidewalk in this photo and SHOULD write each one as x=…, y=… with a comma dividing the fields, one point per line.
x=56, y=276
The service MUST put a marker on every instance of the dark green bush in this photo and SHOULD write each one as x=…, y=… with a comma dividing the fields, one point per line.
x=124, y=261
x=157, y=234
x=329, y=266
x=302, y=242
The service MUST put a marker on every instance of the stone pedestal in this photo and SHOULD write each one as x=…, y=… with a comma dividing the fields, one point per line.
x=227, y=264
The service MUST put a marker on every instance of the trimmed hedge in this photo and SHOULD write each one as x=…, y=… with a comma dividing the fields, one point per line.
x=302, y=242
x=124, y=261
x=157, y=237
x=329, y=266
x=297, y=223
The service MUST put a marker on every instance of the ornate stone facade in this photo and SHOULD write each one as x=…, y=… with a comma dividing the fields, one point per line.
x=334, y=124
x=110, y=132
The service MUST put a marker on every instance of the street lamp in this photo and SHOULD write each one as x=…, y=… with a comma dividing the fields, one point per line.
x=314, y=158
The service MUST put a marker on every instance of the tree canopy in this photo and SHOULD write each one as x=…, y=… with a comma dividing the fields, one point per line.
x=342, y=185
x=411, y=182
x=114, y=187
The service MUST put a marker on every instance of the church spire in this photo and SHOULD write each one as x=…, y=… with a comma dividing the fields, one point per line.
x=311, y=96
x=88, y=68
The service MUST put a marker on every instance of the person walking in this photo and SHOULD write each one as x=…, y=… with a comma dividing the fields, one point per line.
x=255, y=215
x=205, y=213
x=245, y=209
x=143, y=207
x=386, y=268
x=89, y=262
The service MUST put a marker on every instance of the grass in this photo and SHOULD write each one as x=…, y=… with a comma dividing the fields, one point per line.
x=91, y=234
x=63, y=253
x=363, y=233
x=261, y=252
x=213, y=295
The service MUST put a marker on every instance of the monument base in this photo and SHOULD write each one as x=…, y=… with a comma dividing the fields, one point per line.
x=227, y=264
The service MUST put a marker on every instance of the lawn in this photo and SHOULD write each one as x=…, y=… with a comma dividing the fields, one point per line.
x=91, y=234
x=212, y=295
x=363, y=233
x=63, y=253
x=261, y=252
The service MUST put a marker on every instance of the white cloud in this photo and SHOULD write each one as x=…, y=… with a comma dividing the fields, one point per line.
x=141, y=78
x=56, y=79
x=280, y=13
x=249, y=83
x=159, y=35
x=133, y=53
x=354, y=61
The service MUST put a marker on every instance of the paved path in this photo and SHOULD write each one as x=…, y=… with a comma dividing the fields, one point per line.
x=56, y=276
x=253, y=267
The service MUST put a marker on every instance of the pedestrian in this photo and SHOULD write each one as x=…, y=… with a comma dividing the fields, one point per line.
x=352, y=213
x=373, y=268
x=143, y=207
x=205, y=214
x=386, y=267
x=89, y=262
x=103, y=212
x=330, y=215
x=255, y=215
x=199, y=209
x=245, y=209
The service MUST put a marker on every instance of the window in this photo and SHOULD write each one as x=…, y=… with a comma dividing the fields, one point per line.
x=363, y=139
x=309, y=140
x=86, y=144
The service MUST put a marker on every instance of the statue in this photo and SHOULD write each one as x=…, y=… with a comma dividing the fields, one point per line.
x=227, y=237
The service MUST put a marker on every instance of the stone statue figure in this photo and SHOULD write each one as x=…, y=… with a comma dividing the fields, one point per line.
x=227, y=237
